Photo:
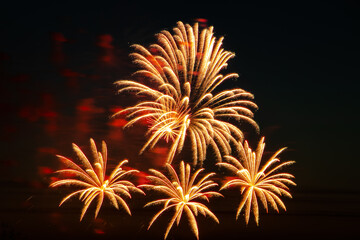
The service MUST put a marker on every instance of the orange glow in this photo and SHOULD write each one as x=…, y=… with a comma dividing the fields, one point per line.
x=116, y=109
x=119, y=122
x=187, y=44
x=141, y=178
x=99, y=231
x=180, y=67
x=84, y=108
x=194, y=73
x=155, y=63
x=202, y=22
x=87, y=105
x=105, y=41
x=45, y=170
x=54, y=179
x=153, y=50
x=160, y=156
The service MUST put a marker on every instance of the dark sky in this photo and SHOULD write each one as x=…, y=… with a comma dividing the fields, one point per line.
x=298, y=59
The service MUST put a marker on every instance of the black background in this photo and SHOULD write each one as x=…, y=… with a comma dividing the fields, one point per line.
x=297, y=58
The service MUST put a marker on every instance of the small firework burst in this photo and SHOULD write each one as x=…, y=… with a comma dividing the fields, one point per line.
x=181, y=191
x=258, y=183
x=93, y=181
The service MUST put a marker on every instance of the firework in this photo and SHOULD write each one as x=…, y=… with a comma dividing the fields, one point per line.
x=256, y=183
x=181, y=72
x=181, y=191
x=93, y=181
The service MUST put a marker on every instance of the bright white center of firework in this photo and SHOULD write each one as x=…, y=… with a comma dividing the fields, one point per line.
x=105, y=185
x=187, y=197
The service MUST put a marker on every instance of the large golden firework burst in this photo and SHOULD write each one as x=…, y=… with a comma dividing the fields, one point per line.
x=181, y=191
x=93, y=181
x=181, y=73
x=255, y=182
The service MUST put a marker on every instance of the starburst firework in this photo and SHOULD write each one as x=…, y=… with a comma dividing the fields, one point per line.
x=93, y=181
x=181, y=192
x=264, y=183
x=181, y=73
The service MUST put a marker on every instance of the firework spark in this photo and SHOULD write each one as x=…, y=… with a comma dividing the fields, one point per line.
x=182, y=191
x=93, y=181
x=255, y=183
x=181, y=73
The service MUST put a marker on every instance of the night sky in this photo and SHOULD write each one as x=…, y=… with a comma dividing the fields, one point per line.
x=58, y=63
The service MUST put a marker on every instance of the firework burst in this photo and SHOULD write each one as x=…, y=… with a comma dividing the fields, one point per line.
x=93, y=181
x=181, y=73
x=181, y=191
x=258, y=183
